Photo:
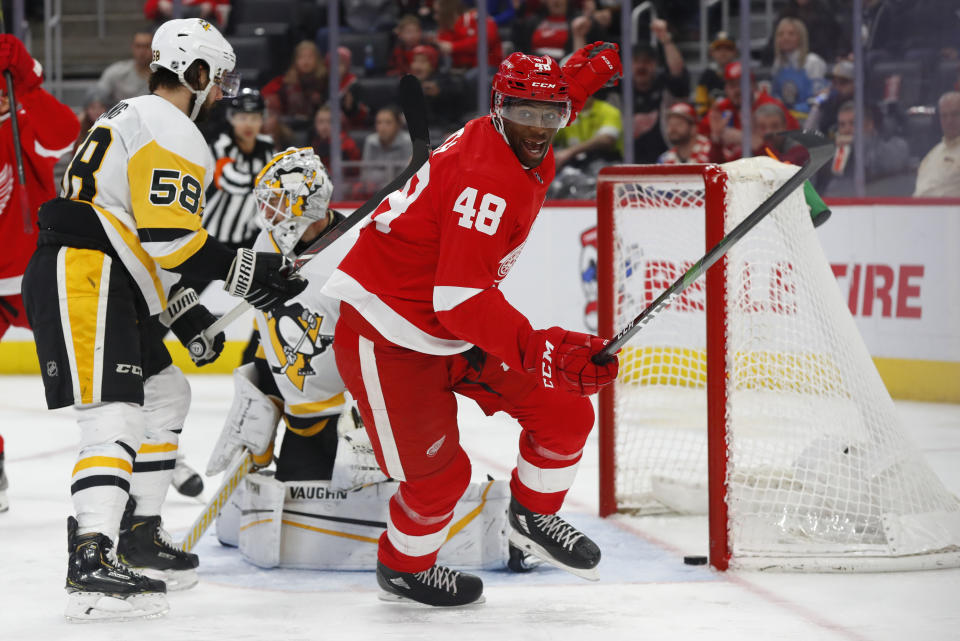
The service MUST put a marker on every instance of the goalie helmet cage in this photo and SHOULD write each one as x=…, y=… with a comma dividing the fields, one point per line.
x=752, y=397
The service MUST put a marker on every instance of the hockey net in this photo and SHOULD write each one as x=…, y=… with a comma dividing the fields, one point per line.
x=752, y=396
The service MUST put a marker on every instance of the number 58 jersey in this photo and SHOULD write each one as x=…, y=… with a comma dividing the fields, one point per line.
x=426, y=268
x=143, y=169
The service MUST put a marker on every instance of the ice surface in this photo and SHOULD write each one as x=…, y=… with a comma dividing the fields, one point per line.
x=646, y=592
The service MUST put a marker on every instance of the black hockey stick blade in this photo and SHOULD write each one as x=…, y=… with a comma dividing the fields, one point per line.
x=820, y=150
x=415, y=111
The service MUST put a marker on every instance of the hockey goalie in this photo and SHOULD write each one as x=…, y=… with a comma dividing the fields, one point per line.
x=325, y=504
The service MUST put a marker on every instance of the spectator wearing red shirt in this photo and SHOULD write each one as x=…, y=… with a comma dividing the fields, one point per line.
x=211, y=10
x=298, y=93
x=555, y=31
x=322, y=130
x=351, y=102
x=688, y=145
x=409, y=34
x=722, y=122
x=457, y=35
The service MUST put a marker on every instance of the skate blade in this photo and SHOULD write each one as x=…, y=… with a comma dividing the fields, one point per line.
x=390, y=597
x=176, y=580
x=4, y=502
x=88, y=607
x=528, y=546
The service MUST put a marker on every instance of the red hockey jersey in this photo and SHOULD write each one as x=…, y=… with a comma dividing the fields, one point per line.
x=426, y=267
x=48, y=130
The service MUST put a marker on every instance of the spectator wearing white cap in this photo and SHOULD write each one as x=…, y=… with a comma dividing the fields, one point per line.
x=688, y=145
x=823, y=114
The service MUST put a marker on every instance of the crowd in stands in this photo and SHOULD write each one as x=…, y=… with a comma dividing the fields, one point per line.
x=803, y=78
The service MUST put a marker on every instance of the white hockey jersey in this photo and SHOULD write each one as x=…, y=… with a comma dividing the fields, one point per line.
x=297, y=338
x=144, y=168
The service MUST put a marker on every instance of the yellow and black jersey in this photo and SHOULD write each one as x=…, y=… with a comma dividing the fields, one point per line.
x=143, y=169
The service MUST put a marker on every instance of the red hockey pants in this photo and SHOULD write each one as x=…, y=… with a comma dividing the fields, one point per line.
x=407, y=403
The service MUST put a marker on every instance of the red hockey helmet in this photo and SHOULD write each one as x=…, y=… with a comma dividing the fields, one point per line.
x=522, y=79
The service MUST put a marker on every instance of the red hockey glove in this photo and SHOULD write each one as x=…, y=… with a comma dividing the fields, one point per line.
x=589, y=69
x=561, y=359
x=27, y=72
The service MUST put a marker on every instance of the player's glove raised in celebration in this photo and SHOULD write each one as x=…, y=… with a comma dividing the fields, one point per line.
x=188, y=319
x=261, y=280
x=589, y=69
x=27, y=72
x=562, y=360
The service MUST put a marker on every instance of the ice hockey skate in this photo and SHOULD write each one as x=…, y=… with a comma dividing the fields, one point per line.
x=185, y=479
x=552, y=539
x=101, y=588
x=437, y=585
x=146, y=546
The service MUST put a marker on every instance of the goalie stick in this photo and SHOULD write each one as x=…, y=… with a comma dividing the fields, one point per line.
x=231, y=479
x=820, y=150
x=415, y=111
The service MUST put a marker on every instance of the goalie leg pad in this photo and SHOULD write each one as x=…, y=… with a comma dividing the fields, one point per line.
x=251, y=421
x=327, y=529
x=260, y=520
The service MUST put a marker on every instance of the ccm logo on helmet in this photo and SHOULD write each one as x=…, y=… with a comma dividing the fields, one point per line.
x=545, y=85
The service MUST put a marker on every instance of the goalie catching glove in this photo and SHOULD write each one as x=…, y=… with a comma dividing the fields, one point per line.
x=588, y=69
x=261, y=279
x=562, y=360
x=188, y=319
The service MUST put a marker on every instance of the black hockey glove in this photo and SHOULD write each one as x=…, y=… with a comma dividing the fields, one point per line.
x=260, y=279
x=187, y=318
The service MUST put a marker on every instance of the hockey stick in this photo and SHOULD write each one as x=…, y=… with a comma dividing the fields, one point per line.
x=17, y=152
x=820, y=150
x=231, y=480
x=415, y=111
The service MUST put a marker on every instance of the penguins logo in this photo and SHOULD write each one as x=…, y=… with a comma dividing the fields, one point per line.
x=296, y=340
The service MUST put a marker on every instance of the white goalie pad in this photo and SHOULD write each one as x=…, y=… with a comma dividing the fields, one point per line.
x=260, y=517
x=250, y=423
x=326, y=529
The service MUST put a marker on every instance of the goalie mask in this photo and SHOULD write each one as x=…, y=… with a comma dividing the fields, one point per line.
x=292, y=191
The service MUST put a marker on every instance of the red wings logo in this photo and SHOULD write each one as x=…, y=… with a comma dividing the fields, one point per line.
x=506, y=264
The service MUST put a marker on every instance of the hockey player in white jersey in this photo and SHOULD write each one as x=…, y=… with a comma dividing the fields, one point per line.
x=324, y=526
x=110, y=250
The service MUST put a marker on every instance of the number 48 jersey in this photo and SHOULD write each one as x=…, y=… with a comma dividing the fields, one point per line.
x=426, y=268
x=143, y=168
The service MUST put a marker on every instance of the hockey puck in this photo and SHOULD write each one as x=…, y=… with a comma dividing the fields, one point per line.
x=695, y=560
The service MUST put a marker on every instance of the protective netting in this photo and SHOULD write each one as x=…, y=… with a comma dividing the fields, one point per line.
x=818, y=465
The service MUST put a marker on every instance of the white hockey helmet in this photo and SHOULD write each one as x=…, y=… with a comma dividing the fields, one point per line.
x=293, y=191
x=179, y=43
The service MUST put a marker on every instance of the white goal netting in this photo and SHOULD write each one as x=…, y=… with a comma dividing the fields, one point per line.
x=820, y=474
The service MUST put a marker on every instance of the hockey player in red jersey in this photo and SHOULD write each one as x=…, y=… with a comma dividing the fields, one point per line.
x=422, y=318
x=40, y=147
x=48, y=129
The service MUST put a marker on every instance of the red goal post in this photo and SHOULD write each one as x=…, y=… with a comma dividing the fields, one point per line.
x=711, y=183
x=751, y=398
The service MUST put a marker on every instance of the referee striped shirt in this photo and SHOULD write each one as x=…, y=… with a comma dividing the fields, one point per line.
x=229, y=214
